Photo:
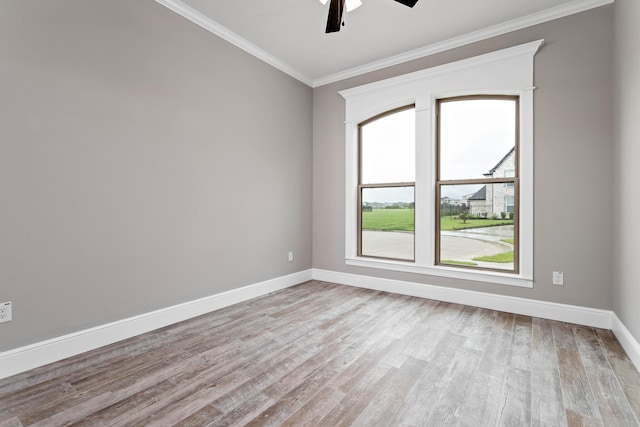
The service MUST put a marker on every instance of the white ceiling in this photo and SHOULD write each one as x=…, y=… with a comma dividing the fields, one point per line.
x=290, y=35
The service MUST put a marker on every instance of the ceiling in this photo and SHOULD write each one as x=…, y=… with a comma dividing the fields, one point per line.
x=289, y=34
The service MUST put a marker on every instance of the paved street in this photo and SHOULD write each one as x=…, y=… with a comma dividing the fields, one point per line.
x=462, y=245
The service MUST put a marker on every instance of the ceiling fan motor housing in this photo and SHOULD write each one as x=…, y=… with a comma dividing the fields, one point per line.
x=336, y=10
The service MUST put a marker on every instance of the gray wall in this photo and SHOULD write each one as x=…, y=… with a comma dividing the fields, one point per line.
x=144, y=162
x=573, y=161
x=626, y=291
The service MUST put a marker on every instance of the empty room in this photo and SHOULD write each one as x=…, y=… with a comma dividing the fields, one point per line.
x=319, y=212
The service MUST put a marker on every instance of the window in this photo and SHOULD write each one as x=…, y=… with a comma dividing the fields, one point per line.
x=409, y=170
x=509, y=205
x=509, y=173
x=477, y=143
x=386, y=185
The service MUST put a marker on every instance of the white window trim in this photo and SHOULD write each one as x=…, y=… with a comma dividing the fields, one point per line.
x=504, y=72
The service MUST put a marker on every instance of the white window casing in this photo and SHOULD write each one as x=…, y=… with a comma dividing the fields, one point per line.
x=504, y=72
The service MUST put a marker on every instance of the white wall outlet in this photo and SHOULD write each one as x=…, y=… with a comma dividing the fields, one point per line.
x=558, y=278
x=5, y=312
x=290, y=256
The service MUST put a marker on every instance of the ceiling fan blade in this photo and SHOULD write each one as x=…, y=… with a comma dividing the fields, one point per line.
x=409, y=3
x=334, y=21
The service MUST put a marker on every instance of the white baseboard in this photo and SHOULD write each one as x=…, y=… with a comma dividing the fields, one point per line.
x=628, y=342
x=32, y=356
x=528, y=307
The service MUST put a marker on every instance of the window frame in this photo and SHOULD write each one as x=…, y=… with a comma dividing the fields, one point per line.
x=391, y=185
x=362, y=186
x=505, y=72
x=513, y=205
x=486, y=181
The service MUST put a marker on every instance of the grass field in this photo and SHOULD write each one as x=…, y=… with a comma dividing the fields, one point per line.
x=501, y=258
x=388, y=220
x=446, y=223
x=454, y=262
x=403, y=220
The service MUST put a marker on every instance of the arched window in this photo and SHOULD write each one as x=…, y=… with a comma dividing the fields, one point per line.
x=386, y=189
x=431, y=153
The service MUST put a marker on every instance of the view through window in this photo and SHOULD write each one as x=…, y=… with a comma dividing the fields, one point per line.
x=477, y=183
x=386, y=214
x=443, y=185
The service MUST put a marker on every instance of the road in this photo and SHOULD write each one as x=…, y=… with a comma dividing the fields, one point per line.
x=461, y=245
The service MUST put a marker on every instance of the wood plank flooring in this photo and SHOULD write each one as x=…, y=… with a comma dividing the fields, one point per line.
x=330, y=355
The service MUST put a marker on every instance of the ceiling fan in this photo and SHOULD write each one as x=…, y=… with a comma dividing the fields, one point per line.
x=336, y=9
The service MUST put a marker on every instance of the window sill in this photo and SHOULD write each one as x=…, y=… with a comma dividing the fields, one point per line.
x=450, y=272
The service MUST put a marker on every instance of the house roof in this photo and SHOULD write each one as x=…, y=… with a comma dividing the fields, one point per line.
x=481, y=194
x=492, y=171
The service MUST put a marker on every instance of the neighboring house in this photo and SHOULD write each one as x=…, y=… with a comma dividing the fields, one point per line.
x=478, y=203
x=495, y=198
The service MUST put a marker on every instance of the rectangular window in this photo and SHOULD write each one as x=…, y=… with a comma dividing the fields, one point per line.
x=386, y=214
x=477, y=151
x=509, y=205
x=509, y=174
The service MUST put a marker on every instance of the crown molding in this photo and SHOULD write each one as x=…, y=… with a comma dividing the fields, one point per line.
x=213, y=27
x=210, y=25
x=476, y=36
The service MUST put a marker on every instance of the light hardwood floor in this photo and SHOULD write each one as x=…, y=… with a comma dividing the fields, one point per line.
x=331, y=355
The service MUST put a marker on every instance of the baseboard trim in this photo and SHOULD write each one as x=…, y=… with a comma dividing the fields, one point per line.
x=628, y=342
x=22, y=359
x=546, y=310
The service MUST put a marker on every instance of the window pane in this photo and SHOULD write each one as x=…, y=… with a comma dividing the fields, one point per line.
x=509, y=173
x=475, y=228
x=509, y=204
x=388, y=149
x=477, y=138
x=388, y=222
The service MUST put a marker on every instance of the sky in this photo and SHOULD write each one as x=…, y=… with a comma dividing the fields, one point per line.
x=475, y=136
x=388, y=149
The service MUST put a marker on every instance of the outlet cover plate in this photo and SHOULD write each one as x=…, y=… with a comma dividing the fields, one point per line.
x=5, y=312
x=558, y=278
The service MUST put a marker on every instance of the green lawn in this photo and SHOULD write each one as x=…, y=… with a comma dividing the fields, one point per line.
x=446, y=223
x=388, y=220
x=454, y=262
x=502, y=258
x=403, y=220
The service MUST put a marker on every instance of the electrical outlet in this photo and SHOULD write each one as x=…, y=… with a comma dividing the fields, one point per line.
x=290, y=256
x=5, y=312
x=558, y=278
